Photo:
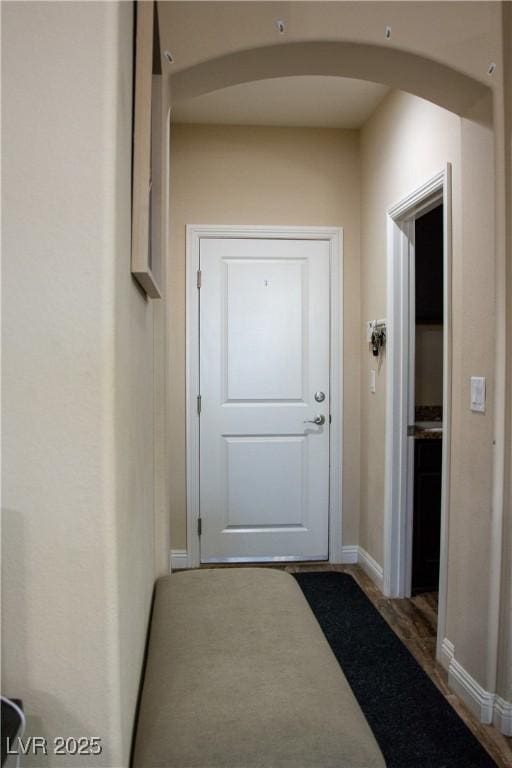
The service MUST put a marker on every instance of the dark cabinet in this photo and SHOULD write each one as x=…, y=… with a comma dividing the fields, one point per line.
x=426, y=515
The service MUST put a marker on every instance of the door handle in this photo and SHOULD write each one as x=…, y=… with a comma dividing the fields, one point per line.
x=319, y=420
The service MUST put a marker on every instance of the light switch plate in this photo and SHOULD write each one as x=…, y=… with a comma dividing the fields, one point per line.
x=478, y=394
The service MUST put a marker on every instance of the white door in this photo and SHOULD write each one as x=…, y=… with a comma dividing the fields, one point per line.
x=264, y=308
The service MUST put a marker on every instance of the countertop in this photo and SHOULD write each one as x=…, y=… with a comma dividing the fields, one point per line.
x=428, y=430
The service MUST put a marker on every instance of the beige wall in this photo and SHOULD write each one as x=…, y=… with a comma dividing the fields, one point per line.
x=245, y=175
x=77, y=518
x=404, y=143
x=505, y=639
x=471, y=588
x=428, y=358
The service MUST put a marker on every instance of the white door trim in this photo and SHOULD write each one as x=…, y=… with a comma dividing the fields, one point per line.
x=398, y=499
x=334, y=235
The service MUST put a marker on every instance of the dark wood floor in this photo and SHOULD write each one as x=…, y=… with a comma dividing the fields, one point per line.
x=414, y=620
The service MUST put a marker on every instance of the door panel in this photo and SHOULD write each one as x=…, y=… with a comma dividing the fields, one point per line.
x=264, y=329
x=264, y=352
x=262, y=488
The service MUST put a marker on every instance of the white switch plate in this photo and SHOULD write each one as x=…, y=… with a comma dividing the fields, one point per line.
x=369, y=330
x=373, y=379
x=478, y=394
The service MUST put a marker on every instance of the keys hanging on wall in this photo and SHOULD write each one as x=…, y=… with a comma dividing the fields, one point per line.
x=378, y=339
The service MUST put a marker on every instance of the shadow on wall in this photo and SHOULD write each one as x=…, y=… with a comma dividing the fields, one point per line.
x=16, y=614
x=14, y=566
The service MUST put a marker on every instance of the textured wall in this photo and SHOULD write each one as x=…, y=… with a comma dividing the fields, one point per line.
x=78, y=559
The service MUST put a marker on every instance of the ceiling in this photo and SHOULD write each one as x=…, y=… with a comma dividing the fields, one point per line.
x=305, y=101
x=195, y=31
x=399, y=43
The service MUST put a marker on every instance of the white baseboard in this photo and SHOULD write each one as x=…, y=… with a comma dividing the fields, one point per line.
x=503, y=716
x=479, y=701
x=371, y=567
x=447, y=653
x=178, y=559
x=350, y=554
x=488, y=707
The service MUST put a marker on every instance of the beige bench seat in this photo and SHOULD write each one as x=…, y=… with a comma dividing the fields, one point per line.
x=240, y=675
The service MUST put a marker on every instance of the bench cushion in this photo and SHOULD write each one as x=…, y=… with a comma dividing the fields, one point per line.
x=240, y=675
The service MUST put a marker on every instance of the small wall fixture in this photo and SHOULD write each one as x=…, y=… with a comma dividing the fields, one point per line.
x=388, y=33
x=280, y=26
x=170, y=58
x=376, y=335
x=492, y=68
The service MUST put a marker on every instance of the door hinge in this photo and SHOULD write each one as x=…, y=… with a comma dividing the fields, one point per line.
x=199, y=526
x=199, y=278
x=198, y=405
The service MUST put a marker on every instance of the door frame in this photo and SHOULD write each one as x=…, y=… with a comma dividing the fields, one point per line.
x=398, y=496
x=334, y=236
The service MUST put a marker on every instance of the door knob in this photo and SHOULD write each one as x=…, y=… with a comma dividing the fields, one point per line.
x=317, y=420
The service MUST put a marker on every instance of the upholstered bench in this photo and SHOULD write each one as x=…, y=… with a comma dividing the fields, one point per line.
x=240, y=675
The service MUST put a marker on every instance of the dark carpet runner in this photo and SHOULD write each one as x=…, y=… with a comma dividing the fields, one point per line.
x=413, y=723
